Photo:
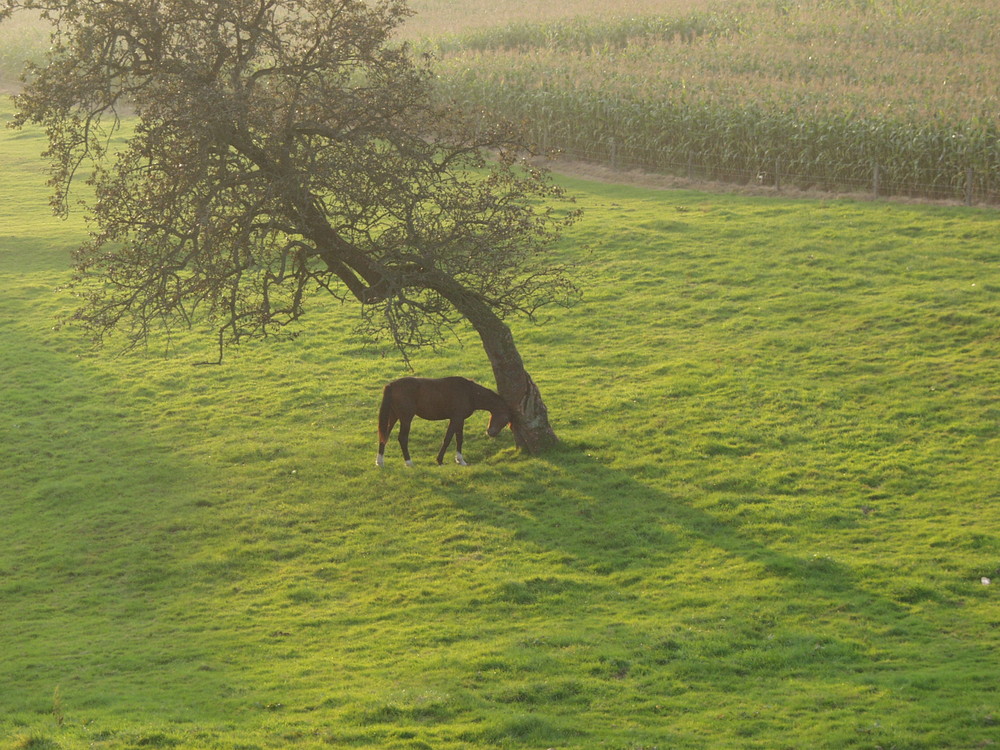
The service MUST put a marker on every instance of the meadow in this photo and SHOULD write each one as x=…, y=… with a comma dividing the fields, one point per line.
x=771, y=523
x=894, y=97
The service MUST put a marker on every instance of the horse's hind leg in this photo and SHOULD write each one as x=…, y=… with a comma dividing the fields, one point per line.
x=383, y=437
x=386, y=420
x=404, y=438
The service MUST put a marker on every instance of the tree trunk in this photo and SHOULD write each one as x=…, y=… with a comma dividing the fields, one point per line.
x=530, y=419
x=529, y=416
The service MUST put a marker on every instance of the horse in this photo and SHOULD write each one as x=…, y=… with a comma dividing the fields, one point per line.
x=452, y=398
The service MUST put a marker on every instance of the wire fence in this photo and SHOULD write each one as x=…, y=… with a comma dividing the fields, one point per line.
x=966, y=185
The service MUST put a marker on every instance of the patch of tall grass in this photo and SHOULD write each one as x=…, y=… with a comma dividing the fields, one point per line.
x=438, y=18
x=590, y=34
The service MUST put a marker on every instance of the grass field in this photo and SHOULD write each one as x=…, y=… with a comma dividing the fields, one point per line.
x=768, y=526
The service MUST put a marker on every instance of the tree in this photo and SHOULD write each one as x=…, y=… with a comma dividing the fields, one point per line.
x=281, y=149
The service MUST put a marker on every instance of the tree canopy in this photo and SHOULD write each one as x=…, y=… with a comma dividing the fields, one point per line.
x=280, y=149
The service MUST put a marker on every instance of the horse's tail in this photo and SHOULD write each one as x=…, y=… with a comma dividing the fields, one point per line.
x=385, y=415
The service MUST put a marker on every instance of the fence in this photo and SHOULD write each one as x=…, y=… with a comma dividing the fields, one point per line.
x=967, y=185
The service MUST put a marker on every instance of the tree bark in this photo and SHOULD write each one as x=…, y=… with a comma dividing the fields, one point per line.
x=530, y=417
x=530, y=421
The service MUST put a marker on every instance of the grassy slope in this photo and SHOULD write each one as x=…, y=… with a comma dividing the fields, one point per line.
x=767, y=527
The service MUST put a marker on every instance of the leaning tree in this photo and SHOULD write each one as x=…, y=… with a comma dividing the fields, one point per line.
x=278, y=150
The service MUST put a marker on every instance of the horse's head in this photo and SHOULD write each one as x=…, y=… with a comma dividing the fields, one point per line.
x=498, y=420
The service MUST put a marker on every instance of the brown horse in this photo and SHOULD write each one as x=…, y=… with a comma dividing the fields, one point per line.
x=452, y=398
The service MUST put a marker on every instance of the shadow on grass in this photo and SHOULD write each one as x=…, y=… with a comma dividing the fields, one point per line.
x=792, y=616
x=96, y=513
x=607, y=521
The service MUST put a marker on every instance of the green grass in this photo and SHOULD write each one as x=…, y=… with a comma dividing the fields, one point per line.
x=766, y=527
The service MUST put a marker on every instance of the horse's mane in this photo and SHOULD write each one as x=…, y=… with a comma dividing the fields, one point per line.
x=488, y=397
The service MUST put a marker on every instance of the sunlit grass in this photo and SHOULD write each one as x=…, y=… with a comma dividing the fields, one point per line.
x=767, y=526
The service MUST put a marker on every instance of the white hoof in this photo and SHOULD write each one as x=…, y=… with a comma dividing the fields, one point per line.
x=409, y=463
x=380, y=460
x=459, y=460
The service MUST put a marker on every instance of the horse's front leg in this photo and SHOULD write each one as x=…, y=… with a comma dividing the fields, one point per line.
x=447, y=439
x=459, y=434
x=404, y=438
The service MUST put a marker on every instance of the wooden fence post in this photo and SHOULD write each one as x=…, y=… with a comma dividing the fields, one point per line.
x=875, y=179
x=969, y=179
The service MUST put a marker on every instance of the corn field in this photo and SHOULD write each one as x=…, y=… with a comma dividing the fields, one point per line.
x=891, y=96
x=439, y=18
x=899, y=96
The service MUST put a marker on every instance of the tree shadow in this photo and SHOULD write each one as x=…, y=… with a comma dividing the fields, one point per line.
x=99, y=517
x=605, y=522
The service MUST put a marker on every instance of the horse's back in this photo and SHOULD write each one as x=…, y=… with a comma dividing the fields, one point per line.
x=432, y=398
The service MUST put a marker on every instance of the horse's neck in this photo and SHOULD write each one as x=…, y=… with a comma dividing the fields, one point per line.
x=484, y=398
